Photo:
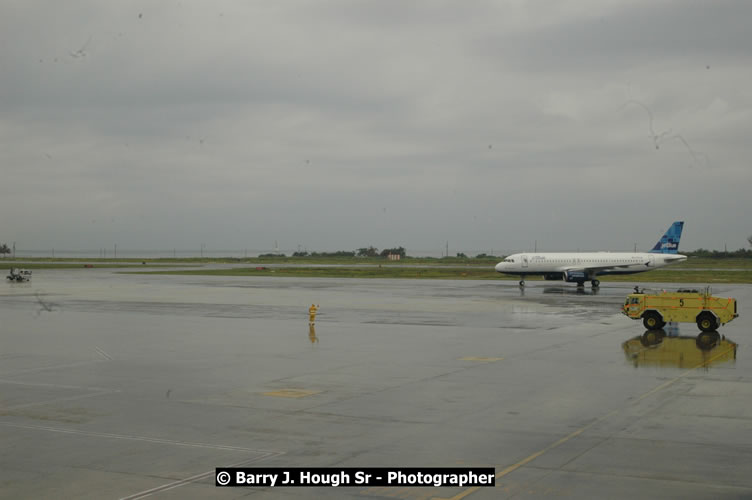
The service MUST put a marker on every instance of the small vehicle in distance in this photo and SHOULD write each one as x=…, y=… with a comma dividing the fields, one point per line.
x=682, y=306
x=19, y=275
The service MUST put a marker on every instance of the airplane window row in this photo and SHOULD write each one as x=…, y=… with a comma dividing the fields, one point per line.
x=602, y=261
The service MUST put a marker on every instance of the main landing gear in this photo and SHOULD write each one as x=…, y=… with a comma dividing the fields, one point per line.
x=595, y=283
x=580, y=284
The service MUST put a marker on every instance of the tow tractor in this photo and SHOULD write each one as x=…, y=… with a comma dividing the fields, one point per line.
x=19, y=275
x=682, y=306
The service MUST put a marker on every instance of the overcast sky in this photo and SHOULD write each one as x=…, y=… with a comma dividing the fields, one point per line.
x=334, y=125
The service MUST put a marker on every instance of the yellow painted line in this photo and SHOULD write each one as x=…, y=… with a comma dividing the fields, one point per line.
x=579, y=431
x=532, y=457
x=394, y=492
x=681, y=376
x=291, y=393
x=480, y=358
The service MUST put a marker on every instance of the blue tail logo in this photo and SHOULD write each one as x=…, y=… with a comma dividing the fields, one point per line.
x=669, y=242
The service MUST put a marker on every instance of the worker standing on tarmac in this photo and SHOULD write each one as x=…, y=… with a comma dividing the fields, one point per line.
x=312, y=313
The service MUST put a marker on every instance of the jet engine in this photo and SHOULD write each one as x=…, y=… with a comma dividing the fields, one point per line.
x=553, y=276
x=575, y=276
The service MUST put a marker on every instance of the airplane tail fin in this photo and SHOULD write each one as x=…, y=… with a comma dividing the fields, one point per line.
x=669, y=242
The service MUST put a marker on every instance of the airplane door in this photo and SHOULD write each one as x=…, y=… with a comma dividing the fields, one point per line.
x=651, y=261
x=524, y=261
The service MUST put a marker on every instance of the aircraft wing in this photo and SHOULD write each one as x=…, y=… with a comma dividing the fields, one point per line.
x=672, y=259
x=597, y=268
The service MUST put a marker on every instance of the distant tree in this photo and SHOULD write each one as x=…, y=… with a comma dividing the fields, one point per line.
x=461, y=255
x=750, y=240
x=300, y=254
x=343, y=253
x=4, y=249
x=717, y=254
x=393, y=251
x=486, y=256
x=368, y=252
x=339, y=253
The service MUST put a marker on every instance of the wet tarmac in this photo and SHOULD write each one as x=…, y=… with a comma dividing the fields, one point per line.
x=132, y=386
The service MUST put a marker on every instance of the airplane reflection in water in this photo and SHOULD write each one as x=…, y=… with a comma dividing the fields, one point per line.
x=658, y=348
x=560, y=290
x=564, y=290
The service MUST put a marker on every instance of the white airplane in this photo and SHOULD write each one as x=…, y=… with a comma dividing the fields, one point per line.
x=577, y=267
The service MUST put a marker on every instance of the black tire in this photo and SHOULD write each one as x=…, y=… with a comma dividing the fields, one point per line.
x=595, y=283
x=652, y=338
x=652, y=320
x=707, y=340
x=707, y=322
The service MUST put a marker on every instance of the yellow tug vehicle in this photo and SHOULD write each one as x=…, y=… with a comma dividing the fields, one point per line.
x=681, y=306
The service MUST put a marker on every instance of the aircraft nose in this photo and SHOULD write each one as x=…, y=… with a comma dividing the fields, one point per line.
x=499, y=267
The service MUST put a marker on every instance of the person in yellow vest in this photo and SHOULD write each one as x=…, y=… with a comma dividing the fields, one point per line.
x=312, y=313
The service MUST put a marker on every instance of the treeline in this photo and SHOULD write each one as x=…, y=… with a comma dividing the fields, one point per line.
x=373, y=252
x=742, y=253
x=361, y=252
x=340, y=253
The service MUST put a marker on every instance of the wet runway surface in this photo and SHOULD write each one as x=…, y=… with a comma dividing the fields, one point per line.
x=132, y=386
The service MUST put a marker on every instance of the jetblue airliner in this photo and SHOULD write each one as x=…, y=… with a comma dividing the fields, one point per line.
x=576, y=267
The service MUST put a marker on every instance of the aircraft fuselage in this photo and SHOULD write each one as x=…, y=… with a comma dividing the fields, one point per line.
x=593, y=263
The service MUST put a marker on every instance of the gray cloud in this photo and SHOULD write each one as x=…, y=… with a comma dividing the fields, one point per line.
x=630, y=35
x=335, y=125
